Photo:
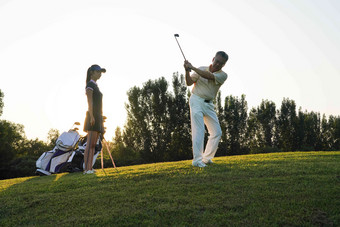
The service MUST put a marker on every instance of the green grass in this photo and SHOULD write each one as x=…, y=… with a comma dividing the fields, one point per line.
x=279, y=189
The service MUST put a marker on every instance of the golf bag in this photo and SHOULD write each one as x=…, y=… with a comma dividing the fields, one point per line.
x=54, y=161
x=66, y=156
x=75, y=162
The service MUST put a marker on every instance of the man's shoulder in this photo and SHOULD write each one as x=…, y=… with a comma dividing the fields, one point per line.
x=221, y=73
x=221, y=76
x=204, y=68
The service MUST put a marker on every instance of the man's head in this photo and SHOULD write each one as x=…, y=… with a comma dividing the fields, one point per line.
x=219, y=61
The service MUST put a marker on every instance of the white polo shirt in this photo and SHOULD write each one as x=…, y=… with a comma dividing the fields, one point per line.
x=207, y=89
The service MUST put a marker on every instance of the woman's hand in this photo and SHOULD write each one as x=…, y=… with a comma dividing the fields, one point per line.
x=92, y=120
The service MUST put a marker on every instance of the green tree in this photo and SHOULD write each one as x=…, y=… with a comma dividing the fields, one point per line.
x=300, y=130
x=33, y=148
x=148, y=118
x=235, y=117
x=158, y=121
x=312, y=130
x=11, y=137
x=1, y=102
x=287, y=126
x=261, y=127
x=326, y=134
x=179, y=124
x=337, y=134
x=334, y=128
x=309, y=132
x=266, y=113
x=255, y=132
x=221, y=150
x=52, y=137
x=118, y=138
x=122, y=154
x=136, y=134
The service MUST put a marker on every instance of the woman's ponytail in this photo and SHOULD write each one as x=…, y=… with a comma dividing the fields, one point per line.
x=88, y=76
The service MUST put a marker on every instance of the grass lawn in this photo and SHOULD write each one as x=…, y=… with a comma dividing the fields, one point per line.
x=279, y=189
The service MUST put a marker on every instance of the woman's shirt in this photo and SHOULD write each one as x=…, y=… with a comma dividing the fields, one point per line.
x=97, y=97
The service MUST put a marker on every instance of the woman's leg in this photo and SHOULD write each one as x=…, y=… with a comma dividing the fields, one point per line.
x=92, y=138
x=93, y=143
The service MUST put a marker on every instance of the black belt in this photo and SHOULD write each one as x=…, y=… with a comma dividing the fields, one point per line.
x=207, y=101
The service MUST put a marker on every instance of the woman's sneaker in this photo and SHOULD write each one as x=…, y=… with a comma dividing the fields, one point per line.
x=89, y=172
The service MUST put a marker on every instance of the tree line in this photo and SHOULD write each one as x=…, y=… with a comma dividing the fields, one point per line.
x=158, y=129
x=158, y=125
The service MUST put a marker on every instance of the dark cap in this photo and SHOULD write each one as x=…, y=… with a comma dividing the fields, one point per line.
x=97, y=68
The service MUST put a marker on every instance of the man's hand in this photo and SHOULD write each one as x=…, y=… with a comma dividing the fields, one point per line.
x=187, y=66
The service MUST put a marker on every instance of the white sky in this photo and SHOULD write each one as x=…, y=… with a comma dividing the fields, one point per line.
x=276, y=49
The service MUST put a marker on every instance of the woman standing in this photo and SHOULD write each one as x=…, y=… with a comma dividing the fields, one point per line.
x=94, y=116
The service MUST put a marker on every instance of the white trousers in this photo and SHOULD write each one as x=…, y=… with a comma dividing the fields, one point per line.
x=203, y=113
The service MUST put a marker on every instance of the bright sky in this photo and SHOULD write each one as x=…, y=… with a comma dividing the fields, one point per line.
x=277, y=49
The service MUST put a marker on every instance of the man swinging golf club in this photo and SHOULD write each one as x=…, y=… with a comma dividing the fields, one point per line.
x=207, y=81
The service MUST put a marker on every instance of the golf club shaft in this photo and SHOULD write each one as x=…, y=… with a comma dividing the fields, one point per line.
x=180, y=48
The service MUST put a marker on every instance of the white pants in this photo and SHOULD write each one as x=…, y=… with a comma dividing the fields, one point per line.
x=203, y=113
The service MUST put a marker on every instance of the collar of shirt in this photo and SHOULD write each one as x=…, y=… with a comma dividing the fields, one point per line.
x=94, y=82
x=208, y=69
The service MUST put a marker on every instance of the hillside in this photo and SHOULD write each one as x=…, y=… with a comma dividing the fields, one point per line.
x=278, y=189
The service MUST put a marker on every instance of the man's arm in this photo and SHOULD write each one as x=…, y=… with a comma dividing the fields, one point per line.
x=205, y=74
x=188, y=79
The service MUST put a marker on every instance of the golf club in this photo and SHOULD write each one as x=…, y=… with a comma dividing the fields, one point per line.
x=176, y=35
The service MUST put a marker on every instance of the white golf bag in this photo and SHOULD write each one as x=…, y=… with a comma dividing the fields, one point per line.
x=67, y=155
x=54, y=161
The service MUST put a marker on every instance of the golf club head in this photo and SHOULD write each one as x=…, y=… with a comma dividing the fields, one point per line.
x=176, y=35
